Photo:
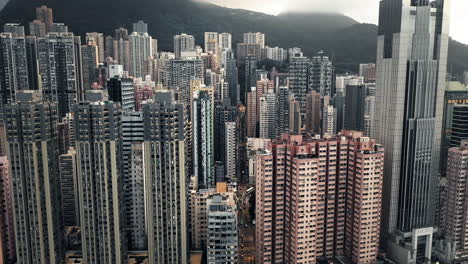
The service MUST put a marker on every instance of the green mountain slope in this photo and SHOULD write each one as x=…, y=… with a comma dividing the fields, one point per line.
x=349, y=42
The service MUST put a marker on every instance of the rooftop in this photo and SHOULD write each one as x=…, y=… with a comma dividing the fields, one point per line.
x=456, y=86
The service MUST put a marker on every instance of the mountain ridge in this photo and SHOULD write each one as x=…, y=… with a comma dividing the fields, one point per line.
x=344, y=39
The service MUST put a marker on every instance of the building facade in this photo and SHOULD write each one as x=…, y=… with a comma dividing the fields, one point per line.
x=267, y=115
x=456, y=225
x=222, y=237
x=133, y=133
x=7, y=229
x=231, y=152
x=166, y=180
x=140, y=50
x=98, y=137
x=321, y=75
x=69, y=188
x=318, y=197
x=283, y=109
x=59, y=68
x=183, y=43
x=136, y=194
x=412, y=45
x=203, y=139
x=355, y=107
x=31, y=126
x=313, y=112
x=121, y=90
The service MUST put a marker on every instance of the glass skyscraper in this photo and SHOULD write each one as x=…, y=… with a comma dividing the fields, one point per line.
x=411, y=75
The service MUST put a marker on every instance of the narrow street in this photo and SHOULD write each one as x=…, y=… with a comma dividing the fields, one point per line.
x=246, y=227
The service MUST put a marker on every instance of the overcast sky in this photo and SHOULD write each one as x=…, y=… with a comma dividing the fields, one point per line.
x=361, y=10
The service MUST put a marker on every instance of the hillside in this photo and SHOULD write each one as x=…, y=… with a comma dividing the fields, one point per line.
x=349, y=42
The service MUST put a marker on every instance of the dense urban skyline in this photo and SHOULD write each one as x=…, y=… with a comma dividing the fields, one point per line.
x=363, y=11
x=116, y=150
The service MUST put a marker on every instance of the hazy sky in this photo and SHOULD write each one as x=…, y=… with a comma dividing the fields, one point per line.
x=361, y=10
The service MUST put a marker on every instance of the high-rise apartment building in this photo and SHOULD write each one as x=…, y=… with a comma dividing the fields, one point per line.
x=299, y=77
x=329, y=115
x=198, y=223
x=203, y=139
x=89, y=60
x=121, y=90
x=132, y=136
x=110, y=47
x=409, y=110
x=183, y=43
x=268, y=108
x=459, y=129
x=232, y=77
x=222, y=235
x=321, y=75
x=231, y=151
x=243, y=50
x=313, y=112
x=140, y=27
x=318, y=197
x=31, y=126
x=369, y=115
x=225, y=41
x=339, y=103
x=283, y=109
x=140, y=51
x=456, y=226
x=122, y=52
x=455, y=94
x=7, y=221
x=58, y=68
x=252, y=115
x=180, y=73
x=342, y=81
x=242, y=143
x=355, y=107
x=262, y=86
x=276, y=54
x=16, y=30
x=16, y=71
x=154, y=48
x=223, y=113
x=211, y=42
x=144, y=90
x=250, y=76
x=69, y=188
x=45, y=15
x=295, y=117
x=98, y=136
x=368, y=71
x=166, y=180
x=199, y=211
x=97, y=39
x=58, y=28
x=132, y=131
x=121, y=33
x=37, y=29
x=255, y=38
x=136, y=218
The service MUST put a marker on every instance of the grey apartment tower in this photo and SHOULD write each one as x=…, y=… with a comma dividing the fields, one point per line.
x=411, y=74
x=98, y=136
x=165, y=179
x=33, y=152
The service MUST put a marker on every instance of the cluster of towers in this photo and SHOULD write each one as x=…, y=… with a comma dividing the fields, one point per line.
x=114, y=151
